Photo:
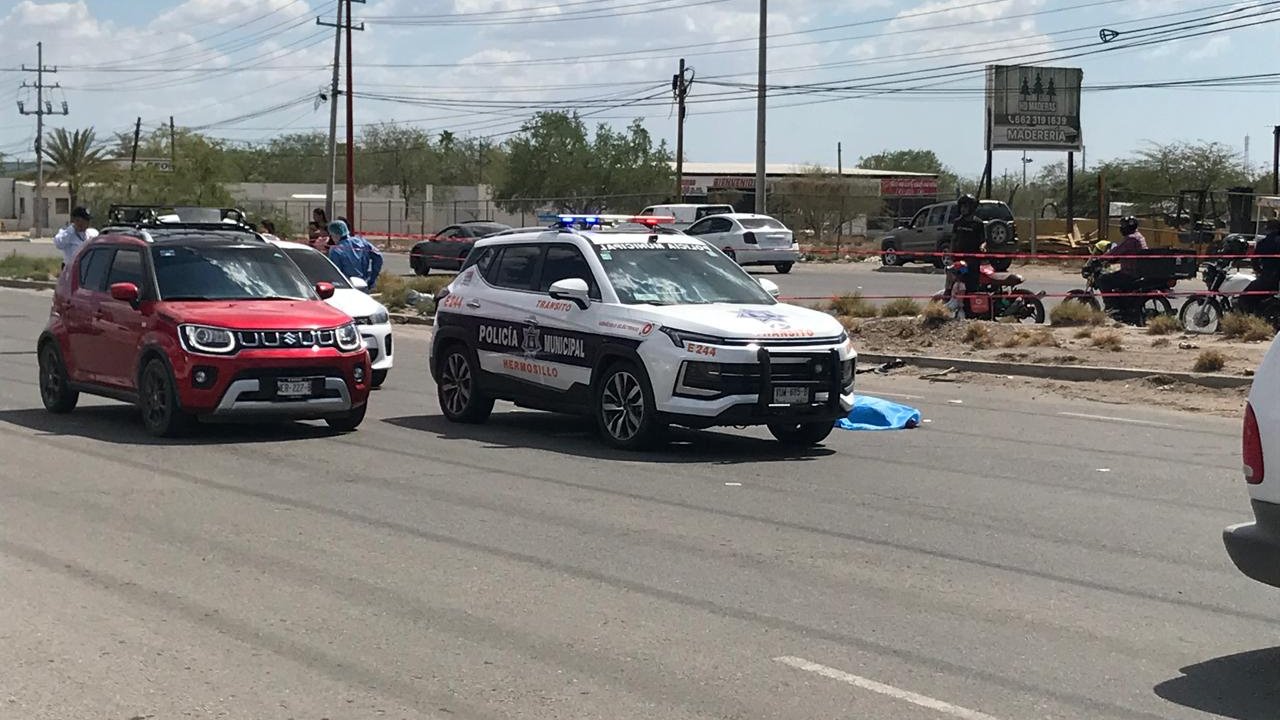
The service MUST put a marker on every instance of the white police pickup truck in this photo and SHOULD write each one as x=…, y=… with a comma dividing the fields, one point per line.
x=640, y=327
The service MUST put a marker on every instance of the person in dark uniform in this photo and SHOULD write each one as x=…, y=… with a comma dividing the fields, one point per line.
x=968, y=241
x=1266, y=263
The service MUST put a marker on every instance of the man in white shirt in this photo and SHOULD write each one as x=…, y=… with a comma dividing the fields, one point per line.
x=76, y=233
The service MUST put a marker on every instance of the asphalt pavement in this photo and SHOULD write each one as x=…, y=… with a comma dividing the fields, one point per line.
x=1014, y=558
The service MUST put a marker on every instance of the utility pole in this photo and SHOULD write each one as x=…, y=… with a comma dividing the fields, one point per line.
x=680, y=84
x=1275, y=164
x=1071, y=191
x=761, y=205
x=173, y=145
x=840, y=185
x=340, y=23
x=351, y=127
x=1025, y=162
x=133, y=159
x=46, y=108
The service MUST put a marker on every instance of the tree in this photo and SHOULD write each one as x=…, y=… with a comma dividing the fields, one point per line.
x=75, y=159
x=823, y=202
x=400, y=157
x=552, y=161
x=199, y=176
x=917, y=161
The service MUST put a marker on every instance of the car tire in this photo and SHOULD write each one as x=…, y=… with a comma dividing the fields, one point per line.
x=783, y=268
x=377, y=378
x=889, y=256
x=1001, y=264
x=998, y=233
x=458, y=390
x=944, y=258
x=162, y=416
x=348, y=421
x=805, y=434
x=624, y=410
x=55, y=386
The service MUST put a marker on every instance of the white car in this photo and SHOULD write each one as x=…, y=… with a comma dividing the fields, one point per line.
x=640, y=328
x=1255, y=547
x=750, y=239
x=349, y=296
x=682, y=215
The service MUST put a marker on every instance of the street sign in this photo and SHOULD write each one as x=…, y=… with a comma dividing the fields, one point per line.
x=1034, y=108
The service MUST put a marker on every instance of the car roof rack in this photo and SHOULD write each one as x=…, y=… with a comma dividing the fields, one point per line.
x=149, y=221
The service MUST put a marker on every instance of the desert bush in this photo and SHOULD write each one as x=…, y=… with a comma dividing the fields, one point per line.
x=1209, y=361
x=1076, y=314
x=853, y=305
x=1250, y=328
x=1163, y=325
x=900, y=307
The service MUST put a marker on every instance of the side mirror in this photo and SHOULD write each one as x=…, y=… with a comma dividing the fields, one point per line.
x=770, y=287
x=125, y=292
x=358, y=283
x=574, y=290
x=324, y=290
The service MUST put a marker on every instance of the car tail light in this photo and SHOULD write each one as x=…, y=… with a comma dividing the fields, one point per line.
x=1252, y=448
x=749, y=238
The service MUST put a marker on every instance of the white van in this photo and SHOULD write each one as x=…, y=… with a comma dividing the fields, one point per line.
x=688, y=213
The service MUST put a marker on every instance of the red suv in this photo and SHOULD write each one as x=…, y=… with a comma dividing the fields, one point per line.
x=204, y=321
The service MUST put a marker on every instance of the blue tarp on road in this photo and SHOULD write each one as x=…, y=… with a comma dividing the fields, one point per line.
x=872, y=413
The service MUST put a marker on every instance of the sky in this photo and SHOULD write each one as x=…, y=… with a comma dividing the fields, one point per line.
x=907, y=73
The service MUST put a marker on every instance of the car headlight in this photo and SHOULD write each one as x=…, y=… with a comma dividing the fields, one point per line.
x=205, y=339
x=348, y=337
x=379, y=317
x=680, y=337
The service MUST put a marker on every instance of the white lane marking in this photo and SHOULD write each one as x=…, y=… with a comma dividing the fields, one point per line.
x=904, y=396
x=924, y=701
x=731, y=484
x=1108, y=418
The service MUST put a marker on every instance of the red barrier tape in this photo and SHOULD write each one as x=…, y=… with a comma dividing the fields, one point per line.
x=1168, y=295
x=1031, y=256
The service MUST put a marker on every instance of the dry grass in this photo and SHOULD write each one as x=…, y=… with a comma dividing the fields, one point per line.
x=1076, y=314
x=935, y=315
x=900, y=307
x=27, y=267
x=1160, y=342
x=1107, y=340
x=1032, y=338
x=1163, y=325
x=1083, y=333
x=978, y=335
x=1209, y=361
x=395, y=289
x=853, y=305
x=852, y=325
x=1249, y=328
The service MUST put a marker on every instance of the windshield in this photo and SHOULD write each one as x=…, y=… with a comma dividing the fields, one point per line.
x=761, y=223
x=317, y=267
x=994, y=211
x=676, y=271
x=228, y=272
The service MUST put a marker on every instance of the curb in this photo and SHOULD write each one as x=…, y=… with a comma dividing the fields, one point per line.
x=28, y=284
x=1071, y=373
x=406, y=319
x=904, y=270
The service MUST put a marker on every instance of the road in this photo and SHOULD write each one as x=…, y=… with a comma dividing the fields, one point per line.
x=1014, y=558
x=807, y=283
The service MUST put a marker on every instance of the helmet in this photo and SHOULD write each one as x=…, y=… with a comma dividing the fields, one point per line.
x=81, y=213
x=967, y=201
x=1128, y=225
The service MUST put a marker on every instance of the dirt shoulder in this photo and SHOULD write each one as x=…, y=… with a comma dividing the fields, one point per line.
x=1108, y=346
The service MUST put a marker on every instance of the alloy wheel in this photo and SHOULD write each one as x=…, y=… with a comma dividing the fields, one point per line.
x=456, y=384
x=622, y=406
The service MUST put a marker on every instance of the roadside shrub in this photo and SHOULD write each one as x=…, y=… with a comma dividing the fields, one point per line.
x=394, y=291
x=853, y=305
x=1076, y=314
x=852, y=325
x=1209, y=361
x=978, y=335
x=1163, y=325
x=1107, y=340
x=1032, y=338
x=1083, y=333
x=900, y=307
x=935, y=315
x=1160, y=342
x=1249, y=328
x=27, y=267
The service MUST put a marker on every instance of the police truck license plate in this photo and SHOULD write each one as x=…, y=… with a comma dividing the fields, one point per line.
x=293, y=387
x=790, y=395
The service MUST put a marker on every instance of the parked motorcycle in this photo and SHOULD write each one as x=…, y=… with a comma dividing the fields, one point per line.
x=998, y=296
x=1203, y=312
x=1150, y=297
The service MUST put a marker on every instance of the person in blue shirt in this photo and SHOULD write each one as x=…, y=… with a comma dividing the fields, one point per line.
x=354, y=256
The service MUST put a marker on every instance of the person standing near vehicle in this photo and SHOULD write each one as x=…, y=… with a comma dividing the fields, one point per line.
x=267, y=230
x=354, y=255
x=75, y=234
x=1266, y=263
x=1125, y=279
x=968, y=241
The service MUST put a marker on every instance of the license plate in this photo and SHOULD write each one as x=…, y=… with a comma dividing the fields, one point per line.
x=790, y=395
x=293, y=387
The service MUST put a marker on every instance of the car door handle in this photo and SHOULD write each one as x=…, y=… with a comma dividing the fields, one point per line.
x=474, y=304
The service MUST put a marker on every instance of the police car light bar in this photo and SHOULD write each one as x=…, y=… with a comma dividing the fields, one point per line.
x=651, y=220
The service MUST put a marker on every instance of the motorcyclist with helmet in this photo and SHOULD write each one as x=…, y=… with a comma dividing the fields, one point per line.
x=1266, y=263
x=1126, y=252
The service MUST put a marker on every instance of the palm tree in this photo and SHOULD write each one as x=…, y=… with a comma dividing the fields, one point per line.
x=74, y=158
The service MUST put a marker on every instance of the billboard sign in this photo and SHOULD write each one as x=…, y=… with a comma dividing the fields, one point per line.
x=1034, y=108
